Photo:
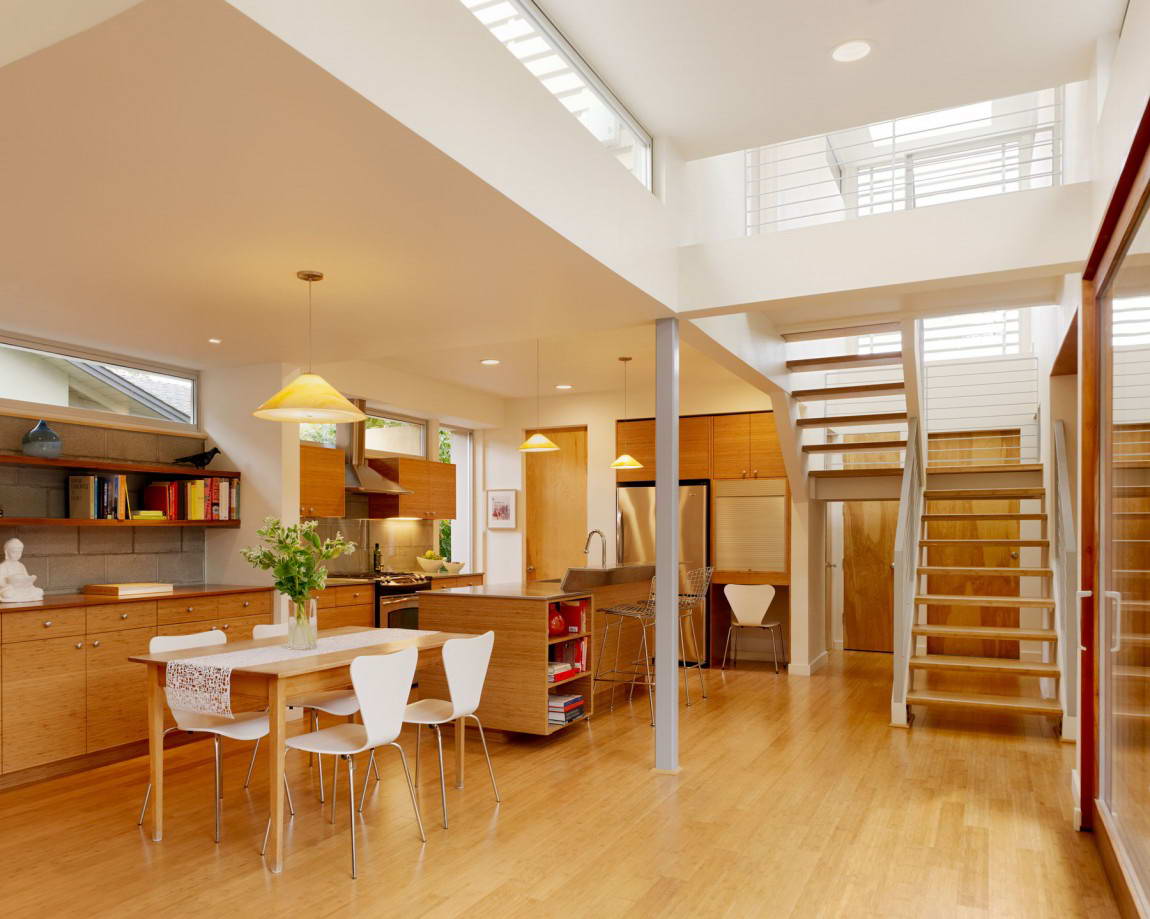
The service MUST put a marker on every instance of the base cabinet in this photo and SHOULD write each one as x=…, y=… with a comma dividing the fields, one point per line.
x=43, y=701
x=115, y=704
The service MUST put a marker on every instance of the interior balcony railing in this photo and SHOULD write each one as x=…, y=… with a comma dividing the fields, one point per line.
x=906, y=550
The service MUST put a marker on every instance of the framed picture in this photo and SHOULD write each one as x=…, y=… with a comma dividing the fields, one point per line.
x=501, y=509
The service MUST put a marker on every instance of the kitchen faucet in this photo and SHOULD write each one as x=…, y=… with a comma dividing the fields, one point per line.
x=602, y=547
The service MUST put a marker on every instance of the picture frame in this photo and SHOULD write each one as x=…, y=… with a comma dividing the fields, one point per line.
x=502, y=509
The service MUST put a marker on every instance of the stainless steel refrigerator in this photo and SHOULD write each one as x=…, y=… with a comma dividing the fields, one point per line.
x=635, y=533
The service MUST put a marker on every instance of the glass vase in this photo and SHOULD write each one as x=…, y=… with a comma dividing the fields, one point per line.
x=302, y=630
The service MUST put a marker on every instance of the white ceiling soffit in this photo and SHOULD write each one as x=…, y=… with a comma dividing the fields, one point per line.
x=26, y=26
x=717, y=77
x=167, y=172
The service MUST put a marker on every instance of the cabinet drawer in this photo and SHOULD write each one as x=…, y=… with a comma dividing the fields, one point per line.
x=46, y=623
x=193, y=609
x=347, y=615
x=186, y=628
x=239, y=628
x=256, y=603
x=355, y=595
x=113, y=616
x=325, y=599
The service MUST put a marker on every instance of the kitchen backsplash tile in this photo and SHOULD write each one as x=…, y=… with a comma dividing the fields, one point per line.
x=400, y=541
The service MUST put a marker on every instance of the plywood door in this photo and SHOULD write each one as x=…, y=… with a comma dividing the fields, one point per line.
x=868, y=581
x=765, y=455
x=695, y=447
x=43, y=701
x=636, y=438
x=556, y=506
x=441, y=479
x=732, y=446
x=321, y=481
x=876, y=460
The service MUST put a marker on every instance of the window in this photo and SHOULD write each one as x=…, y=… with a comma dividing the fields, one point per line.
x=70, y=380
x=323, y=434
x=394, y=435
x=527, y=33
x=455, y=535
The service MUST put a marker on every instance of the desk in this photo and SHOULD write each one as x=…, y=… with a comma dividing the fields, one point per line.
x=276, y=682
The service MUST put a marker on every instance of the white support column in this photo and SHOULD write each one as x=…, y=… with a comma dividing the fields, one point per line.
x=667, y=545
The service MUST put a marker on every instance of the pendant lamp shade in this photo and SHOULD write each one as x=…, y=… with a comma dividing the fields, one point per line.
x=309, y=398
x=538, y=443
x=625, y=460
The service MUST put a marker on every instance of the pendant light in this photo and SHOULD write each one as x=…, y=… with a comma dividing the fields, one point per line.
x=625, y=460
x=538, y=442
x=309, y=397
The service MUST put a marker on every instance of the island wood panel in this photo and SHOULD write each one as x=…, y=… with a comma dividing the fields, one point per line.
x=322, y=489
x=868, y=581
x=115, y=701
x=515, y=692
x=43, y=701
x=625, y=640
x=555, y=506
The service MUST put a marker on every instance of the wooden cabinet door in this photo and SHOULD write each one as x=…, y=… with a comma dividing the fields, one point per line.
x=766, y=457
x=636, y=438
x=115, y=701
x=413, y=474
x=321, y=481
x=441, y=488
x=43, y=701
x=695, y=447
x=732, y=446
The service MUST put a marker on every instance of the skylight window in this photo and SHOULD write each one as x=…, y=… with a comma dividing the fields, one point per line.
x=526, y=32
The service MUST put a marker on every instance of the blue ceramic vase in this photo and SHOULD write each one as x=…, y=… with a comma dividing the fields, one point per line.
x=42, y=441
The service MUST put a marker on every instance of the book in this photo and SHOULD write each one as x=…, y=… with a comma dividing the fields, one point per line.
x=563, y=698
x=128, y=589
x=82, y=497
x=148, y=515
x=565, y=717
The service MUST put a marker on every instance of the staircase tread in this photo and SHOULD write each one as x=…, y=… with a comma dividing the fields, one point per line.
x=989, y=664
x=989, y=572
x=860, y=446
x=833, y=361
x=833, y=392
x=997, y=467
x=827, y=421
x=980, y=600
x=989, y=515
x=978, y=700
x=1002, y=633
x=946, y=494
x=985, y=541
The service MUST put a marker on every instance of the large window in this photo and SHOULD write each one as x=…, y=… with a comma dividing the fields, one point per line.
x=70, y=380
x=524, y=31
x=455, y=535
x=384, y=434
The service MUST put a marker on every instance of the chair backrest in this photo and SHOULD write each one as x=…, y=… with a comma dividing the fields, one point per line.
x=698, y=582
x=749, y=602
x=382, y=684
x=270, y=630
x=466, y=660
x=159, y=644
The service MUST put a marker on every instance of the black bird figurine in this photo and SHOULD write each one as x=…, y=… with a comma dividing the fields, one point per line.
x=200, y=460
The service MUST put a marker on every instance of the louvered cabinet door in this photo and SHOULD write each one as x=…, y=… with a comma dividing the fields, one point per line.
x=750, y=525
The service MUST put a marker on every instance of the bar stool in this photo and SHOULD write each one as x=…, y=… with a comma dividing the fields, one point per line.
x=749, y=606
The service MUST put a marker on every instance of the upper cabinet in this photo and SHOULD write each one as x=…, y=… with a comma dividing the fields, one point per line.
x=637, y=438
x=746, y=446
x=432, y=487
x=321, y=481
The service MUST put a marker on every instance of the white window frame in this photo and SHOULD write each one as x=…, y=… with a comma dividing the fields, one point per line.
x=373, y=412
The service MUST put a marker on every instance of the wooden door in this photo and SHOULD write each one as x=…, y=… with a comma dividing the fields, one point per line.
x=636, y=438
x=556, y=505
x=695, y=447
x=43, y=701
x=321, y=481
x=868, y=581
x=115, y=703
x=732, y=446
x=765, y=456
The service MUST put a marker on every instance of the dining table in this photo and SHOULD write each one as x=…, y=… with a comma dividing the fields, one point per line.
x=274, y=683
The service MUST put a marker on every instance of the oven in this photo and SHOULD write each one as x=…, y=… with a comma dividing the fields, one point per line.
x=397, y=600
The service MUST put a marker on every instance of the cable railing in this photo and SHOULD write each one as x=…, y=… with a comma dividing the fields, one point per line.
x=1065, y=580
x=906, y=550
x=956, y=154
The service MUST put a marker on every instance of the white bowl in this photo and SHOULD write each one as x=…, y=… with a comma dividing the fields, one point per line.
x=453, y=567
x=430, y=565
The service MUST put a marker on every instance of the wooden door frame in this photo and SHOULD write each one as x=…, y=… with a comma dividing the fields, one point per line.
x=1119, y=223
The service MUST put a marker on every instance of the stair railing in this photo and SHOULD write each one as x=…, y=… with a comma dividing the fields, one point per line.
x=906, y=554
x=1064, y=562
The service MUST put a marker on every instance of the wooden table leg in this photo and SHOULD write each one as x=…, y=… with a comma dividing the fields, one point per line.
x=155, y=677
x=277, y=707
x=460, y=741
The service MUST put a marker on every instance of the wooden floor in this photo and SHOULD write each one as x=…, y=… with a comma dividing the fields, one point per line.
x=795, y=799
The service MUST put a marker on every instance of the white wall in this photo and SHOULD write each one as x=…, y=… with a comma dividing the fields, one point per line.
x=30, y=378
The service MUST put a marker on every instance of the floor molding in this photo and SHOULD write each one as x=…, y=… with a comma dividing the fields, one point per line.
x=1117, y=865
x=810, y=669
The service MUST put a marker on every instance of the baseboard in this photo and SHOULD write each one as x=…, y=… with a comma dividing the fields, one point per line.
x=837, y=644
x=810, y=669
x=1118, y=867
x=1069, y=730
x=1076, y=796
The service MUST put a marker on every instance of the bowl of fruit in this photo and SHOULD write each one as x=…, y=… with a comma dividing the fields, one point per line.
x=431, y=561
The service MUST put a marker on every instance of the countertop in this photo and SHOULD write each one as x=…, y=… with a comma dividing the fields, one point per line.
x=56, y=601
x=444, y=574
x=531, y=590
x=346, y=582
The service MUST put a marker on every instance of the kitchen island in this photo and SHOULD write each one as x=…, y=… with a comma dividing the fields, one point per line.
x=515, y=696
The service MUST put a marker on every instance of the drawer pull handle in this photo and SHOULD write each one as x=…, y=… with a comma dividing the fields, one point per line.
x=190, y=609
x=123, y=615
x=79, y=645
x=247, y=602
x=47, y=623
x=226, y=626
x=96, y=643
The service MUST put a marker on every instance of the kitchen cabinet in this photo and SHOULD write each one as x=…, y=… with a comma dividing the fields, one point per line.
x=43, y=701
x=746, y=446
x=637, y=438
x=115, y=701
x=432, y=487
x=346, y=605
x=322, y=488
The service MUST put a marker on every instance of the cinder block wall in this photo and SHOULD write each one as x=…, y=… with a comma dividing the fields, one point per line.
x=65, y=558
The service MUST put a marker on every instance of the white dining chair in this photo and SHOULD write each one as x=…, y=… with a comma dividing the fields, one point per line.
x=749, y=606
x=243, y=726
x=465, y=662
x=339, y=702
x=383, y=684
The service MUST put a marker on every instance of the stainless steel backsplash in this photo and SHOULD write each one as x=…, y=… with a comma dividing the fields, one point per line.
x=400, y=541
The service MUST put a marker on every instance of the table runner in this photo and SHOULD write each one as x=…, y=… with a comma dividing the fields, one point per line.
x=203, y=685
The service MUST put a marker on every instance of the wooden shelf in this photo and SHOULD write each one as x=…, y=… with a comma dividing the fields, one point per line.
x=80, y=522
x=571, y=679
x=552, y=728
x=97, y=465
x=559, y=639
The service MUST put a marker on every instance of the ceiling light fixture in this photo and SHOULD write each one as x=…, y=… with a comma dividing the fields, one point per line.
x=490, y=362
x=309, y=398
x=538, y=442
x=850, y=51
x=564, y=386
x=625, y=460
x=215, y=341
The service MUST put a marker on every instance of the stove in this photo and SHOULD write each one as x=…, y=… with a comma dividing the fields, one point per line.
x=395, y=597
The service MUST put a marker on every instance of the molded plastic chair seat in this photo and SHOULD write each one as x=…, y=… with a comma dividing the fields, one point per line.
x=332, y=702
x=429, y=711
x=244, y=726
x=339, y=740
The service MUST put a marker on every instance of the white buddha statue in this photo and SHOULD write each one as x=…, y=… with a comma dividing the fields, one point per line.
x=16, y=584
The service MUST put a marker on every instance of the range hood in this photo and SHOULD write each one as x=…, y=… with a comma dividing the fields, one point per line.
x=358, y=476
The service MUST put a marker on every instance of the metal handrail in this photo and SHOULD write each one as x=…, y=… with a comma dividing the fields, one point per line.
x=1065, y=580
x=906, y=549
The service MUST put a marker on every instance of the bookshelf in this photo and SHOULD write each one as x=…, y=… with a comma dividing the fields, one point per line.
x=572, y=646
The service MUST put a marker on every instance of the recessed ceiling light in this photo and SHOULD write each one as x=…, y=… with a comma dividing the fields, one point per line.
x=564, y=386
x=215, y=341
x=489, y=361
x=850, y=51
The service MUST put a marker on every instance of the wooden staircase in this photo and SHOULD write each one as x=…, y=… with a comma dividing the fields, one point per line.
x=971, y=619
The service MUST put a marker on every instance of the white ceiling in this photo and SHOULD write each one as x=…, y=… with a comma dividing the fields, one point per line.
x=717, y=77
x=167, y=172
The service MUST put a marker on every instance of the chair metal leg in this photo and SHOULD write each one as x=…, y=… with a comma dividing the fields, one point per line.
x=683, y=658
x=311, y=756
x=418, y=733
x=351, y=808
x=367, y=778
x=148, y=791
x=490, y=769
x=411, y=790
x=219, y=784
x=287, y=792
x=775, y=648
x=618, y=645
x=698, y=665
x=252, y=764
x=375, y=767
x=650, y=679
x=726, y=647
x=268, y=827
x=334, y=783
x=442, y=773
